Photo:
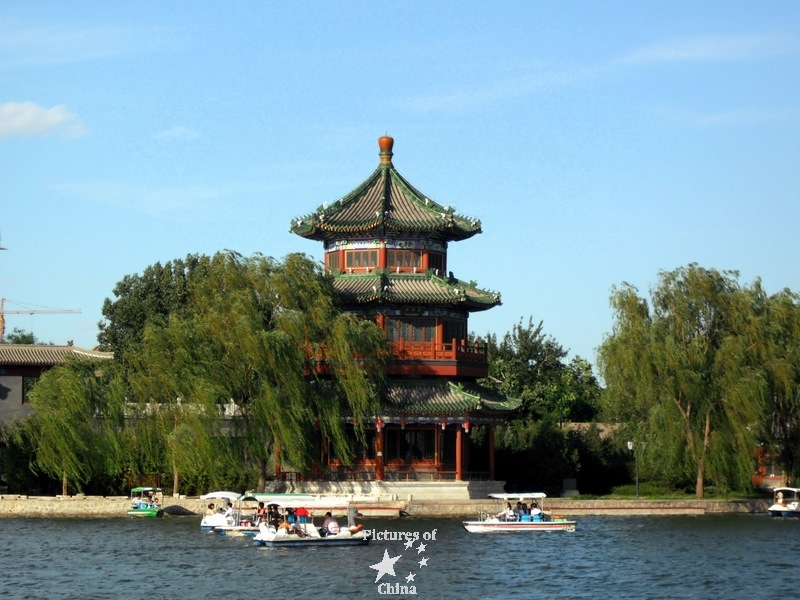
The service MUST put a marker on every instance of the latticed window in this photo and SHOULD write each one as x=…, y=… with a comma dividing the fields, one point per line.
x=411, y=329
x=333, y=262
x=454, y=330
x=436, y=262
x=410, y=444
x=361, y=258
x=405, y=259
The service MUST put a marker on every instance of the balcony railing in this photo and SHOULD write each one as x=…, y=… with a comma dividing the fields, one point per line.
x=456, y=350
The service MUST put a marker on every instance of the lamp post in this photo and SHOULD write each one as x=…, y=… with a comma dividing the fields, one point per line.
x=636, y=460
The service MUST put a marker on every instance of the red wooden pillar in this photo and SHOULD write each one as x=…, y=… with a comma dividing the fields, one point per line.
x=491, y=452
x=459, y=455
x=379, y=452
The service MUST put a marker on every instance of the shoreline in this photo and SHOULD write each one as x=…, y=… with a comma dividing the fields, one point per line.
x=12, y=506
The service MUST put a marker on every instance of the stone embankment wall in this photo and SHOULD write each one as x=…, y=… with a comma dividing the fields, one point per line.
x=117, y=506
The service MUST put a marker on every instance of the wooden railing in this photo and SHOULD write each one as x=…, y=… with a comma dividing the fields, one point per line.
x=457, y=350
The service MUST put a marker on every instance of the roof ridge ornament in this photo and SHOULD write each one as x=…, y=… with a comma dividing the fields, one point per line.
x=385, y=143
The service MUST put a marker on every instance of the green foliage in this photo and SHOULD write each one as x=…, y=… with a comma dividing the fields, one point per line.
x=529, y=365
x=78, y=408
x=20, y=336
x=685, y=370
x=263, y=344
x=149, y=297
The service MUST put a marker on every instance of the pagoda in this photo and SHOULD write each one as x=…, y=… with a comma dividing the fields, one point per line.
x=386, y=245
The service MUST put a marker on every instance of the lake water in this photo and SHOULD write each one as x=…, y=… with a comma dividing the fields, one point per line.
x=725, y=556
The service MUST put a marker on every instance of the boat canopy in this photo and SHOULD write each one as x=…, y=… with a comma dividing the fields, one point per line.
x=276, y=498
x=519, y=496
x=143, y=490
x=221, y=494
x=321, y=504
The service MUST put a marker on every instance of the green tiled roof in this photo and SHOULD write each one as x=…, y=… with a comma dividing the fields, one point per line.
x=443, y=397
x=48, y=356
x=386, y=287
x=385, y=205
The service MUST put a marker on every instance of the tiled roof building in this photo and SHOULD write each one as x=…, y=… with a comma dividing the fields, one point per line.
x=22, y=364
x=386, y=245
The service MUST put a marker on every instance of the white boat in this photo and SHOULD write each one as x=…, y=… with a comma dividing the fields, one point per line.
x=236, y=519
x=527, y=513
x=296, y=528
x=786, y=502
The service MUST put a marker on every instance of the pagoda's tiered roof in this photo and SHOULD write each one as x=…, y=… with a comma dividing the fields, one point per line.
x=386, y=287
x=443, y=397
x=385, y=205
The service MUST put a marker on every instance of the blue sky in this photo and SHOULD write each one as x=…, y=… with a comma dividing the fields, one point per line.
x=598, y=142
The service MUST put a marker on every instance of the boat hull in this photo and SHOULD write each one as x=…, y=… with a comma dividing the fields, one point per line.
x=295, y=542
x=517, y=526
x=146, y=512
x=783, y=512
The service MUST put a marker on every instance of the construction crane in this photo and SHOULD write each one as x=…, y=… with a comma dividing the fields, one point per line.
x=28, y=311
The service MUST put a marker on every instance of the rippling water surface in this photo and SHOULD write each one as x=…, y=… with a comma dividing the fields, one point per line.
x=730, y=557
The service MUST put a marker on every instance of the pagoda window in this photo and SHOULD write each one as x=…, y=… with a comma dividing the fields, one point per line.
x=410, y=444
x=436, y=262
x=355, y=259
x=411, y=329
x=404, y=259
x=333, y=262
x=453, y=330
x=361, y=450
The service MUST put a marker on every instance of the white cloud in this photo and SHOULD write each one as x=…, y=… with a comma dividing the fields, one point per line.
x=26, y=119
x=178, y=133
x=715, y=48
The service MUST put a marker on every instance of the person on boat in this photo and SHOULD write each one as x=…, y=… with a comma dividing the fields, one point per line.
x=302, y=514
x=229, y=510
x=273, y=516
x=210, y=509
x=518, y=511
x=507, y=514
x=330, y=526
x=535, y=510
x=779, y=499
x=262, y=513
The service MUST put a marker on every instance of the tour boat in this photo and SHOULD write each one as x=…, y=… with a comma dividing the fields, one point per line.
x=295, y=528
x=145, y=502
x=530, y=516
x=242, y=518
x=786, y=502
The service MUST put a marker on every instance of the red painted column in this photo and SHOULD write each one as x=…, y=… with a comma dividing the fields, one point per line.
x=379, y=454
x=459, y=455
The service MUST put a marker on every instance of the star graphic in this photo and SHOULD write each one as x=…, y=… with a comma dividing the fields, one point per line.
x=410, y=577
x=421, y=548
x=386, y=566
x=422, y=563
x=409, y=543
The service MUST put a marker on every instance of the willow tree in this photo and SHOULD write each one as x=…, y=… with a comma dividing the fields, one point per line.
x=686, y=370
x=263, y=348
x=781, y=357
x=73, y=431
